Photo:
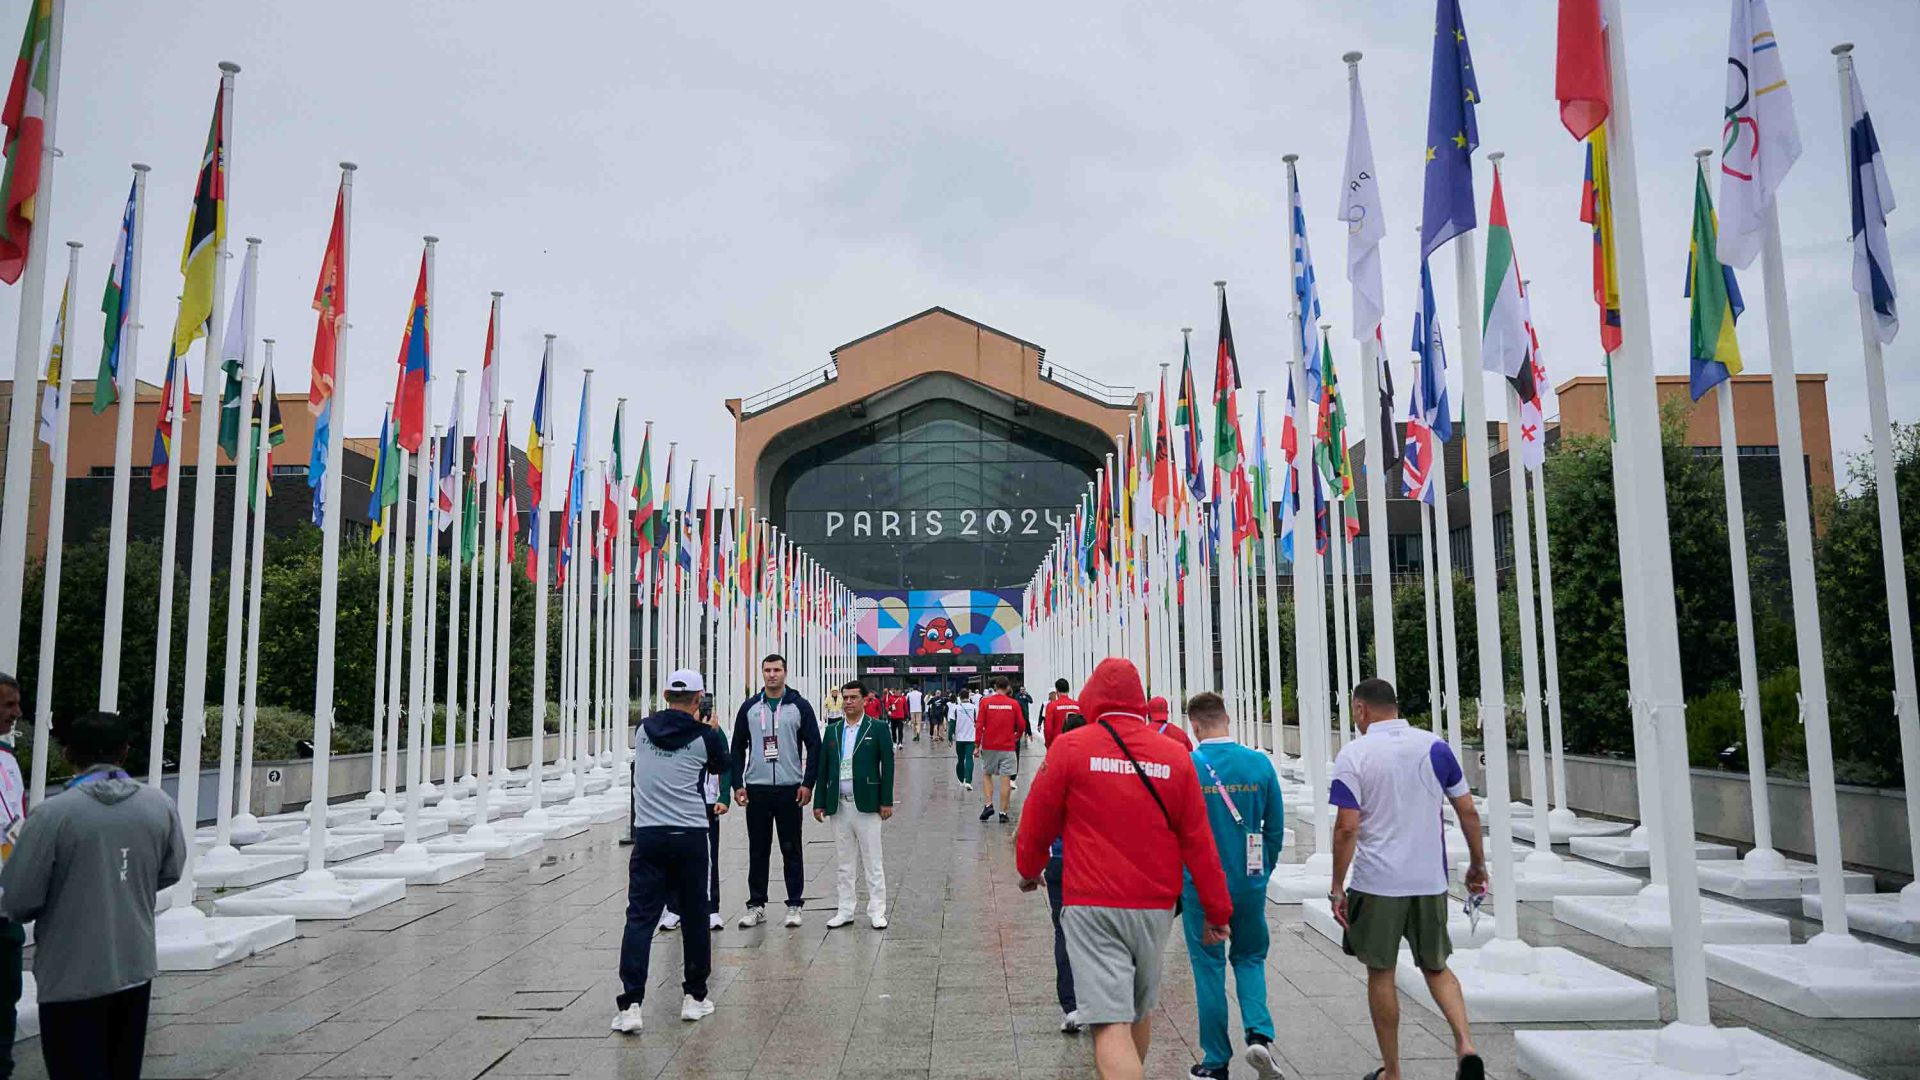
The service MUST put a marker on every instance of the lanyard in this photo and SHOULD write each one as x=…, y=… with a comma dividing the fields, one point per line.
x=1222, y=789
x=88, y=778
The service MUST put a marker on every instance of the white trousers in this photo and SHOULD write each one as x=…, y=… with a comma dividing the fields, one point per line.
x=856, y=840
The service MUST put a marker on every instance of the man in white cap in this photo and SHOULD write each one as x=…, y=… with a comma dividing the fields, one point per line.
x=673, y=753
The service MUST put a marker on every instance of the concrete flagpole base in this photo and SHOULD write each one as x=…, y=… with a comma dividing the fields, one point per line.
x=339, y=847
x=1460, y=929
x=555, y=826
x=1542, y=876
x=246, y=830
x=1511, y=982
x=1564, y=824
x=337, y=815
x=322, y=897
x=1788, y=881
x=1665, y=1054
x=187, y=939
x=1643, y=921
x=1828, y=976
x=204, y=839
x=415, y=865
x=1630, y=852
x=1293, y=883
x=426, y=828
x=1458, y=853
x=1887, y=915
x=222, y=869
x=495, y=845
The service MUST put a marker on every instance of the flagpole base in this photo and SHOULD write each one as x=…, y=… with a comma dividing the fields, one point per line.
x=1509, y=982
x=1644, y=921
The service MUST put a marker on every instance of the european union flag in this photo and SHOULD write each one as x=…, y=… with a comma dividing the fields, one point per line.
x=1452, y=136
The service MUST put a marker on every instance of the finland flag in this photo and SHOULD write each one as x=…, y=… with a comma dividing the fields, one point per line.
x=1872, y=201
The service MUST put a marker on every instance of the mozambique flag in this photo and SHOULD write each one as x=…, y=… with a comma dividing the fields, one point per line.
x=25, y=121
x=206, y=235
x=266, y=410
x=1596, y=209
x=1716, y=299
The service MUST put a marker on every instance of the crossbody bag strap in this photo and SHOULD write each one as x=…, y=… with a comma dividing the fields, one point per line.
x=1142, y=774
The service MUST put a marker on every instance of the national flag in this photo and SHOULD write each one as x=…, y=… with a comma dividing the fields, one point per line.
x=165, y=424
x=384, y=490
x=1187, y=415
x=1596, y=209
x=470, y=514
x=450, y=451
x=645, y=530
x=1760, y=139
x=688, y=539
x=206, y=235
x=50, y=394
x=701, y=587
x=114, y=304
x=1362, y=209
x=483, y=436
x=1416, y=459
x=1580, y=81
x=1165, y=494
x=317, y=463
x=1872, y=197
x=1430, y=349
x=1262, y=497
x=410, y=396
x=330, y=300
x=1226, y=417
x=25, y=120
x=510, y=499
x=1715, y=300
x=576, y=493
x=1306, y=292
x=610, y=483
x=266, y=410
x=1504, y=327
x=1383, y=377
x=233, y=354
x=536, y=462
x=1447, y=205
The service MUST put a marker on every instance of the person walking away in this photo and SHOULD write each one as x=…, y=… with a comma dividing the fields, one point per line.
x=1128, y=806
x=85, y=869
x=1389, y=784
x=961, y=717
x=1053, y=718
x=897, y=716
x=916, y=703
x=936, y=715
x=856, y=791
x=716, y=806
x=1244, y=811
x=1160, y=719
x=13, y=813
x=1025, y=701
x=998, y=725
x=1062, y=964
x=673, y=754
x=776, y=758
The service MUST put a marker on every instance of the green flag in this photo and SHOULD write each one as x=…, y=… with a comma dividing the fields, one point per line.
x=1716, y=299
x=266, y=410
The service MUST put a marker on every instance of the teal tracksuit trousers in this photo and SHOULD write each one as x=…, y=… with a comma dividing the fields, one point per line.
x=1246, y=952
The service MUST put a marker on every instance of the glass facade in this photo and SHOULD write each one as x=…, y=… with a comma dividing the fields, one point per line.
x=939, y=496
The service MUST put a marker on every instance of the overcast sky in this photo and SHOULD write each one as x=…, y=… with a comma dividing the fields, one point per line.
x=702, y=200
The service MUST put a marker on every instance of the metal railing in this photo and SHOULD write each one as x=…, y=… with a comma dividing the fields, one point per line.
x=792, y=388
x=1069, y=379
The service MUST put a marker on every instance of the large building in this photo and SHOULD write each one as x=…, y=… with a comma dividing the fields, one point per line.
x=929, y=465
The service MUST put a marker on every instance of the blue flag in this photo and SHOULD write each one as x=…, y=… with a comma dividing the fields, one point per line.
x=1452, y=136
x=1306, y=293
x=1872, y=198
x=317, y=464
x=1432, y=351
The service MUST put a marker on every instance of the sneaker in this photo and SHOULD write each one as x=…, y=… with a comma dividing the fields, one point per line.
x=1201, y=1072
x=986, y=812
x=969, y=786
x=754, y=917
x=669, y=921
x=692, y=1008
x=715, y=922
x=1260, y=1056
x=627, y=1020
x=793, y=916
x=1013, y=784
x=1070, y=1023
x=838, y=921
x=1003, y=817
x=879, y=922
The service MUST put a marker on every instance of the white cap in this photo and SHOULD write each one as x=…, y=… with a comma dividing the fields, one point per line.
x=685, y=681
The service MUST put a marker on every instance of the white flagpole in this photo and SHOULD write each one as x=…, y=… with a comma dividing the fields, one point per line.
x=486, y=619
x=56, y=540
x=26, y=366
x=1436, y=715
x=502, y=641
x=223, y=850
x=169, y=547
x=383, y=551
x=1276, y=705
x=393, y=631
x=459, y=451
x=1363, y=269
x=193, y=700
x=542, y=591
x=419, y=698
x=1892, y=546
x=244, y=821
x=623, y=599
x=128, y=388
x=317, y=876
x=582, y=577
x=1449, y=702
x=430, y=584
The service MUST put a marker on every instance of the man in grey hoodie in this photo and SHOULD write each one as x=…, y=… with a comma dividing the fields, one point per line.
x=86, y=869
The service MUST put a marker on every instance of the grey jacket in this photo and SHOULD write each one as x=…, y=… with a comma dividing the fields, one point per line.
x=87, y=866
x=795, y=733
x=673, y=754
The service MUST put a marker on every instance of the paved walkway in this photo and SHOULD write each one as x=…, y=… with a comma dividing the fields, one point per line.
x=510, y=973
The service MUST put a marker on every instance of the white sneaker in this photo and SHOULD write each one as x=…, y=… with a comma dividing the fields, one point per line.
x=715, y=922
x=754, y=917
x=1260, y=1056
x=879, y=922
x=793, y=916
x=669, y=921
x=838, y=921
x=692, y=1008
x=969, y=787
x=627, y=1020
x=1070, y=1023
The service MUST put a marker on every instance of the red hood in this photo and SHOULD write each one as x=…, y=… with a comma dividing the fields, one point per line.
x=1114, y=688
x=1157, y=710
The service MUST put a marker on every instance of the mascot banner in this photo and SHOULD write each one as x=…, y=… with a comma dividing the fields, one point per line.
x=955, y=622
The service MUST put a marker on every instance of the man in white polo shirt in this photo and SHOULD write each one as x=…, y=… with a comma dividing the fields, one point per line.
x=1389, y=786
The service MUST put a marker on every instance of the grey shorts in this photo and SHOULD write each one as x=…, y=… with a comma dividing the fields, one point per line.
x=998, y=763
x=1115, y=954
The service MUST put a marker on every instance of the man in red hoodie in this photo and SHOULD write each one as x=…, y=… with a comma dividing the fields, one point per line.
x=999, y=723
x=1060, y=706
x=1160, y=719
x=1128, y=806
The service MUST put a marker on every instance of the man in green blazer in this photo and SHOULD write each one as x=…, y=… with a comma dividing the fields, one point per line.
x=856, y=791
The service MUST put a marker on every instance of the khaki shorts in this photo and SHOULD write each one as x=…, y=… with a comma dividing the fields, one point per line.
x=1376, y=925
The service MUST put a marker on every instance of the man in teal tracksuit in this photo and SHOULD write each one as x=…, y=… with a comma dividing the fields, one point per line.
x=1243, y=808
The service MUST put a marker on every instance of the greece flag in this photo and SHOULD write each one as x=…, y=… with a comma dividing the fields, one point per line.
x=1872, y=201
